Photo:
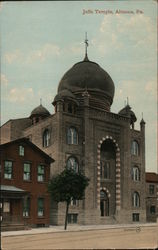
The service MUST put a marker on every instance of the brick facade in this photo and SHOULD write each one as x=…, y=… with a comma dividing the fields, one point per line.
x=31, y=186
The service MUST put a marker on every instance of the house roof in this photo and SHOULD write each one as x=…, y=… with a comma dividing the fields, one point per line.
x=29, y=143
x=151, y=177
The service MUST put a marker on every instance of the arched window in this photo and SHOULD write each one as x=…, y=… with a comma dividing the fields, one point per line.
x=46, y=138
x=105, y=170
x=72, y=163
x=136, y=199
x=72, y=136
x=135, y=174
x=135, y=148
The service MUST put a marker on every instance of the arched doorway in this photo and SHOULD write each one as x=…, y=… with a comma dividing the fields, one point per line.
x=104, y=203
x=108, y=177
x=115, y=166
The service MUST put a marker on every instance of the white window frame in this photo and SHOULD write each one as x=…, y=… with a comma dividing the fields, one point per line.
x=8, y=170
x=46, y=138
x=136, y=199
x=27, y=174
x=135, y=173
x=72, y=136
x=40, y=211
x=41, y=176
x=21, y=150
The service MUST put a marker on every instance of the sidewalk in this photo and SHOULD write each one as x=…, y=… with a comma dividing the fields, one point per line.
x=72, y=228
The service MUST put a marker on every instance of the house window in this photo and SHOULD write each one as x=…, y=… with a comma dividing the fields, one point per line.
x=151, y=189
x=26, y=207
x=27, y=172
x=135, y=148
x=72, y=218
x=105, y=170
x=6, y=206
x=135, y=174
x=72, y=164
x=72, y=136
x=40, y=173
x=40, y=207
x=152, y=209
x=135, y=216
x=21, y=150
x=136, y=200
x=8, y=168
x=46, y=138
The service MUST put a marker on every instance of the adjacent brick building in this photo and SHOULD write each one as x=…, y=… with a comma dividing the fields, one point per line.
x=25, y=172
x=84, y=134
x=152, y=196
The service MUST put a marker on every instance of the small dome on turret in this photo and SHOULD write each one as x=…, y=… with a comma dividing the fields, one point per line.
x=39, y=111
x=126, y=111
x=65, y=95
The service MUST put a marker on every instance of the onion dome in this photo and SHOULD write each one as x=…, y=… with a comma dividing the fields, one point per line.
x=65, y=95
x=126, y=111
x=89, y=75
x=40, y=111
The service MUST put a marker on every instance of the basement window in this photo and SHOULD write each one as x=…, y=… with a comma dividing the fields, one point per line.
x=72, y=218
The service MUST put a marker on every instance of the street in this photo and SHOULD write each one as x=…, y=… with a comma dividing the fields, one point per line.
x=119, y=238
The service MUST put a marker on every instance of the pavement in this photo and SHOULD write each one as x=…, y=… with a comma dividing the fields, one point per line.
x=74, y=228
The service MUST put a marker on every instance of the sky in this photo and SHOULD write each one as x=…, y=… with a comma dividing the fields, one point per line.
x=41, y=40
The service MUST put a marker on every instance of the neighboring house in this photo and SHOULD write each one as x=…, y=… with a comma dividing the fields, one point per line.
x=85, y=135
x=25, y=172
x=152, y=197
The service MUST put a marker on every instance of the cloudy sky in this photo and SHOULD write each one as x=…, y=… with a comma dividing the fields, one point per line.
x=41, y=40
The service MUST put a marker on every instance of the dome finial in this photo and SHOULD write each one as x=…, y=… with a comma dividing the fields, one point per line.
x=86, y=45
x=40, y=101
x=127, y=101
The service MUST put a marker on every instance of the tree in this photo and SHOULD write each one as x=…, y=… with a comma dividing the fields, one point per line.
x=66, y=186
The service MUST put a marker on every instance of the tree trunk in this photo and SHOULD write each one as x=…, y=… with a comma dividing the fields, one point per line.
x=66, y=215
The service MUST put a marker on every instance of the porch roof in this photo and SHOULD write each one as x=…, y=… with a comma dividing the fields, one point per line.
x=12, y=192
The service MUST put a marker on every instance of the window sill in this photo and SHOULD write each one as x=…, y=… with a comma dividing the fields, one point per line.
x=46, y=146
